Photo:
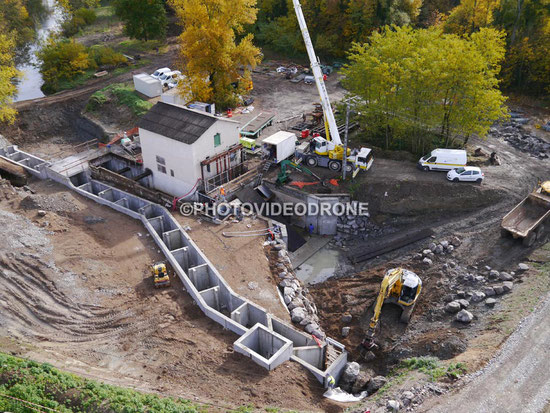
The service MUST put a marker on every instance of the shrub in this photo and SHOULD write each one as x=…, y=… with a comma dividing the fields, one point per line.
x=63, y=59
x=87, y=15
x=96, y=100
x=80, y=18
x=106, y=56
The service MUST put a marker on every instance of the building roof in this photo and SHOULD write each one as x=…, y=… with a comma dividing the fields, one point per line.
x=176, y=122
x=279, y=137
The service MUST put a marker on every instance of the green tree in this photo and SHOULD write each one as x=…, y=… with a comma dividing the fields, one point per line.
x=216, y=63
x=421, y=87
x=16, y=21
x=143, y=19
x=7, y=73
x=470, y=15
x=62, y=59
x=527, y=64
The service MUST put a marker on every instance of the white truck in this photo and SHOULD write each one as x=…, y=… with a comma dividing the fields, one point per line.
x=279, y=146
x=443, y=160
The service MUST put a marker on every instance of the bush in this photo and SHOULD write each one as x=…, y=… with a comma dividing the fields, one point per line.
x=81, y=17
x=106, y=56
x=63, y=59
x=96, y=100
x=87, y=15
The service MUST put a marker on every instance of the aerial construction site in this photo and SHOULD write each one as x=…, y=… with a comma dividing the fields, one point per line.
x=265, y=255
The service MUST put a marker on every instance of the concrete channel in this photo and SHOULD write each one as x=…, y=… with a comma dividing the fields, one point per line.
x=264, y=338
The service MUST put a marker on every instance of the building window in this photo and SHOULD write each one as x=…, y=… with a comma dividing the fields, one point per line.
x=217, y=140
x=172, y=172
x=161, y=164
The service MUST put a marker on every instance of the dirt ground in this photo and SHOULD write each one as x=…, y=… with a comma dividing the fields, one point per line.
x=75, y=292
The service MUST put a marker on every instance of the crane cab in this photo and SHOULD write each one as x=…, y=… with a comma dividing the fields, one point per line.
x=410, y=289
x=364, y=159
x=321, y=146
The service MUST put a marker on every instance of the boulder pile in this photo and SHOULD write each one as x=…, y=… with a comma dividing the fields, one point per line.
x=514, y=133
x=303, y=311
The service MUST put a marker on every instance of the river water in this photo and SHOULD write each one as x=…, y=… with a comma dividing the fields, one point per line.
x=30, y=81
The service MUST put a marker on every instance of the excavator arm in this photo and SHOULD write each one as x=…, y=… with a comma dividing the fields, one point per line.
x=386, y=288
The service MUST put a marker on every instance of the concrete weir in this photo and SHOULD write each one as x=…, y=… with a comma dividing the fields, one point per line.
x=264, y=338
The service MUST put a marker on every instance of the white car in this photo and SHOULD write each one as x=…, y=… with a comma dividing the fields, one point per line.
x=159, y=72
x=169, y=77
x=466, y=174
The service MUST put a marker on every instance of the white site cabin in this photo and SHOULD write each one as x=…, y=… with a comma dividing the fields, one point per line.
x=175, y=140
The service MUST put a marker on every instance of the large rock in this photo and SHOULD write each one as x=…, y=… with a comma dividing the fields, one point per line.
x=494, y=274
x=289, y=291
x=489, y=291
x=490, y=302
x=311, y=327
x=298, y=314
x=507, y=286
x=346, y=318
x=464, y=317
x=351, y=371
x=463, y=303
x=427, y=261
x=504, y=276
x=498, y=289
x=439, y=249
x=432, y=247
x=296, y=302
x=478, y=296
x=407, y=397
x=453, y=307
x=345, y=331
x=376, y=383
x=523, y=267
x=392, y=406
x=361, y=382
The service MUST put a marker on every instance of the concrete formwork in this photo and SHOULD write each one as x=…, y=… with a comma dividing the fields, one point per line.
x=264, y=338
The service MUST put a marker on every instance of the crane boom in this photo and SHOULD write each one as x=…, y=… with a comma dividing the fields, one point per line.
x=317, y=74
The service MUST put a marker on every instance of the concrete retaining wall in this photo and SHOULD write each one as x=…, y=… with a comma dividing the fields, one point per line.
x=265, y=339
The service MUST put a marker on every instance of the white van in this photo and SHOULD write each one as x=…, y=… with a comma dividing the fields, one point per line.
x=443, y=160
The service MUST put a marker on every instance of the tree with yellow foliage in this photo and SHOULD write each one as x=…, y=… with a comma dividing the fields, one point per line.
x=7, y=74
x=470, y=15
x=216, y=61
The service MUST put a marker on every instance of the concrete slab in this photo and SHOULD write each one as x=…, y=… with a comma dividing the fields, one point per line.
x=306, y=251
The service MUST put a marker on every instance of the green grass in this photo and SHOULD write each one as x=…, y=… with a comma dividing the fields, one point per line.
x=106, y=20
x=139, y=46
x=46, y=386
x=432, y=367
x=65, y=84
x=124, y=94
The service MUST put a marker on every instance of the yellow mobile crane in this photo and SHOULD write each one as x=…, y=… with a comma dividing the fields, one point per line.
x=401, y=287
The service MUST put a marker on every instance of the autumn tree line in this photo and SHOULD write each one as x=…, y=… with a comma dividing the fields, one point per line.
x=421, y=72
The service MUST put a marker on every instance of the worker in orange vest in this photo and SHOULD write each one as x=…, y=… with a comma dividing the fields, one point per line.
x=222, y=193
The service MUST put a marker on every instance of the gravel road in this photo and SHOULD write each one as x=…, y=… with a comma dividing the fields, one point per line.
x=516, y=380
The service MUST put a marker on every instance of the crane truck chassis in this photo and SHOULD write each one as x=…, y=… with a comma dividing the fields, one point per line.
x=357, y=160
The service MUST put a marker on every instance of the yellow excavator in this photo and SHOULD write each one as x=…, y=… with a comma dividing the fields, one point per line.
x=401, y=287
x=160, y=275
